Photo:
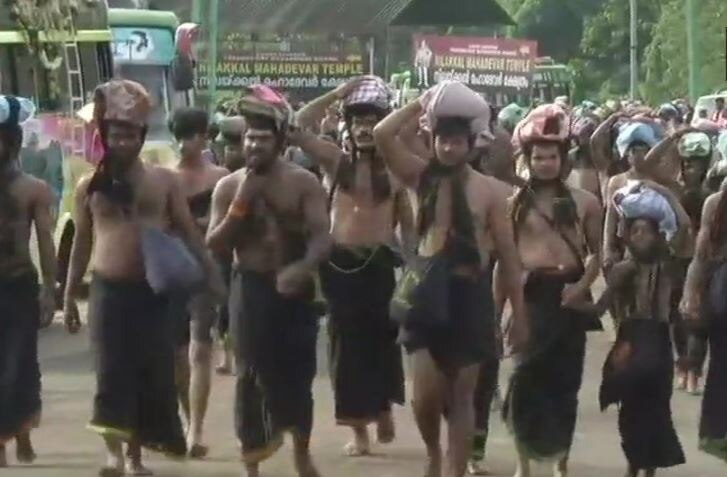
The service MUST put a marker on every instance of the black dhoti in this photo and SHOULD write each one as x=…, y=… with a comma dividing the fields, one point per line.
x=541, y=405
x=20, y=403
x=713, y=422
x=133, y=336
x=365, y=359
x=275, y=346
x=638, y=376
x=468, y=336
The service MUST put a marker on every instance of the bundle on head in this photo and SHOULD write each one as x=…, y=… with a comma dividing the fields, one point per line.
x=546, y=124
x=264, y=108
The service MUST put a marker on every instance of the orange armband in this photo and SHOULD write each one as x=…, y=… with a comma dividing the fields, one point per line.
x=239, y=209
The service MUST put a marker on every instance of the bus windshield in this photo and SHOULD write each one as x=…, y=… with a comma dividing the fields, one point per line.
x=154, y=79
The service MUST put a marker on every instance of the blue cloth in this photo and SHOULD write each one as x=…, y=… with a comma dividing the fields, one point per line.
x=636, y=201
x=15, y=110
x=634, y=132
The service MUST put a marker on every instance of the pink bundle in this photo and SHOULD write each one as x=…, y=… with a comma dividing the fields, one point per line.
x=548, y=122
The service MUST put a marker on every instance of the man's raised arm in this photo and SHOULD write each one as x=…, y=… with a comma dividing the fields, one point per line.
x=601, y=143
x=406, y=166
x=694, y=285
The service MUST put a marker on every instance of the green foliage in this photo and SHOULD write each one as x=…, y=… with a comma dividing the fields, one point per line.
x=592, y=36
x=667, y=78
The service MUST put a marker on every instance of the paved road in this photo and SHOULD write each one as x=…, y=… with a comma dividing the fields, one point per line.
x=66, y=449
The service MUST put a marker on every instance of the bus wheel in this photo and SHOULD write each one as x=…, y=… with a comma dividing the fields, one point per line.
x=64, y=259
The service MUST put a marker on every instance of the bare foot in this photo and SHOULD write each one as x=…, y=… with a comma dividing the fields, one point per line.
x=107, y=471
x=137, y=469
x=3, y=457
x=434, y=466
x=522, y=471
x=114, y=466
x=198, y=451
x=304, y=465
x=252, y=470
x=560, y=469
x=681, y=378
x=385, y=428
x=693, y=384
x=24, y=449
x=223, y=370
x=478, y=467
x=360, y=445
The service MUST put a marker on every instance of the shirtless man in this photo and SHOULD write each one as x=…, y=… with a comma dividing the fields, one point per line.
x=358, y=282
x=694, y=150
x=635, y=140
x=558, y=232
x=24, y=201
x=231, y=131
x=131, y=326
x=198, y=177
x=586, y=173
x=703, y=305
x=458, y=210
x=495, y=160
x=272, y=215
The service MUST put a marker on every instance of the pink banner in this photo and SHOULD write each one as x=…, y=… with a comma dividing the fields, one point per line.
x=492, y=65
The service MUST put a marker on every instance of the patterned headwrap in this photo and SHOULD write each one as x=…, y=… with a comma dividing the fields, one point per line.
x=372, y=91
x=122, y=100
x=262, y=100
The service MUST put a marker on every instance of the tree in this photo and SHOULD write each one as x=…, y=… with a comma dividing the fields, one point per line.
x=667, y=78
x=603, y=67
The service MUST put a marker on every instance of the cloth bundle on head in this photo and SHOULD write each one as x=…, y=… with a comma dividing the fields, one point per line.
x=696, y=144
x=122, y=100
x=262, y=100
x=637, y=201
x=510, y=115
x=548, y=122
x=668, y=109
x=454, y=99
x=630, y=133
x=371, y=90
x=15, y=110
x=585, y=124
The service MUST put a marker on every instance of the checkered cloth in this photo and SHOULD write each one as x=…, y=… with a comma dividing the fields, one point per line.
x=262, y=100
x=373, y=91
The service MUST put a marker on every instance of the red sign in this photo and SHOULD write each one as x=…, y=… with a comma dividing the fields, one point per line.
x=492, y=65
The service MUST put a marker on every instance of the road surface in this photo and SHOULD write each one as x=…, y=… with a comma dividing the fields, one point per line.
x=67, y=449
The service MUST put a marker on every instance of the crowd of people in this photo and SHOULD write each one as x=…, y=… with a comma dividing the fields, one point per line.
x=458, y=233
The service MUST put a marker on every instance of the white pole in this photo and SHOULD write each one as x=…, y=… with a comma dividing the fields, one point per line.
x=634, y=42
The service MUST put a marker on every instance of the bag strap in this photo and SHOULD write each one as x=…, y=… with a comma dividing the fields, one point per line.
x=569, y=243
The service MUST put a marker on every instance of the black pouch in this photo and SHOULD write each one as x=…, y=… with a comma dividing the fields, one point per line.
x=421, y=297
